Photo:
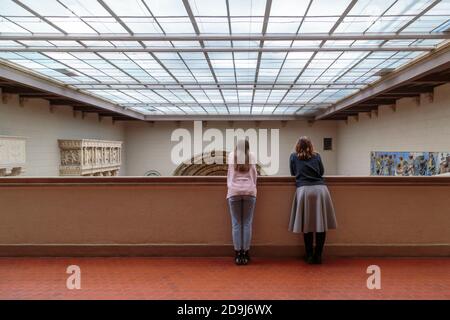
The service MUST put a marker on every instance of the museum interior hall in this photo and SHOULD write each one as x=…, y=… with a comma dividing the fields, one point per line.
x=117, y=119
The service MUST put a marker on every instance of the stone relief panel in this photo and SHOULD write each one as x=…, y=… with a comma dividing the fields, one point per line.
x=202, y=165
x=12, y=155
x=89, y=157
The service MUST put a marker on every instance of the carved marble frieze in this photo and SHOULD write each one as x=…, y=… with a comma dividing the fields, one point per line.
x=206, y=165
x=89, y=157
x=12, y=155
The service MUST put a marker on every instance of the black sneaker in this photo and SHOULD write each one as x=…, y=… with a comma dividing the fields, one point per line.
x=237, y=257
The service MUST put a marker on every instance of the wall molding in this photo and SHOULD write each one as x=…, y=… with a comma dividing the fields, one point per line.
x=206, y=250
x=216, y=180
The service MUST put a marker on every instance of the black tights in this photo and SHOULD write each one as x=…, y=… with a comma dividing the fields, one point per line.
x=309, y=243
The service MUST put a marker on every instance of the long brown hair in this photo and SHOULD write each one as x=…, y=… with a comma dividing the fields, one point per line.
x=242, y=146
x=304, y=148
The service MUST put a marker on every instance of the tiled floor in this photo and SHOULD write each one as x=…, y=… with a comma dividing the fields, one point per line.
x=219, y=278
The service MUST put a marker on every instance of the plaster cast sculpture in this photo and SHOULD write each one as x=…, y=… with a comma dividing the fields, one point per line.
x=88, y=157
x=12, y=155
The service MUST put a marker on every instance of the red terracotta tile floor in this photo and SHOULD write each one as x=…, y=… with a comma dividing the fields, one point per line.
x=219, y=278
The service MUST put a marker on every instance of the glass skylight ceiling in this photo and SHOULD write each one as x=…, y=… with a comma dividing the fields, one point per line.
x=210, y=57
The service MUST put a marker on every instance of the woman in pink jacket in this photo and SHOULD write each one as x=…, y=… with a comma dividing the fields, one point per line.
x=241, y=196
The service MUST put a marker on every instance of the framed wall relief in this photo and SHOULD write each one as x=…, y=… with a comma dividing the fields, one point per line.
x=383, y=163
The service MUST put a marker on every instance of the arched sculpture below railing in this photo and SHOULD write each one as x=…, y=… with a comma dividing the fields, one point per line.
x=202, y=165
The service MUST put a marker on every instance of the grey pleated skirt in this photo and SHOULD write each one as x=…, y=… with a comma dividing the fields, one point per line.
x=312, y=210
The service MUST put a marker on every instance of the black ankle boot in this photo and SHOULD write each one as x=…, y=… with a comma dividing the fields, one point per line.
x=245, y=257
x=309, y=239
x=320, y=242
x=237, y=257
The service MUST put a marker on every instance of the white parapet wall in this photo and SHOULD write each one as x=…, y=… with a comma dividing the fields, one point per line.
x=12, y=155
x=89, y=157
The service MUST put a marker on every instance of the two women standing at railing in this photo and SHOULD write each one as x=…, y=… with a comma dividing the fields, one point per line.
x=312, y=209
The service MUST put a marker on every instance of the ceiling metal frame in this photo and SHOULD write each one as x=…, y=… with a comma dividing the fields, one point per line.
x=262, y=37
x=434, y=62
x=62, y=92
x=232, y=37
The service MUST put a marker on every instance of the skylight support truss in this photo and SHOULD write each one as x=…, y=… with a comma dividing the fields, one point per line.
x=201, y=58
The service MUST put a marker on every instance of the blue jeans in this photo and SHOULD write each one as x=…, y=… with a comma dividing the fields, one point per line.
x=241, y=211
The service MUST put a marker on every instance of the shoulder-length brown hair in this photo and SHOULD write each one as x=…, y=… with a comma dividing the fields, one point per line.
x=242, y=146
x=304, y=148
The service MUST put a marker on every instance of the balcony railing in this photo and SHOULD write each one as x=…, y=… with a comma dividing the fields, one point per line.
x=377, y=216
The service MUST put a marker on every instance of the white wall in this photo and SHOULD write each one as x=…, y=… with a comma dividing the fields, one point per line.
x=412, y=127
x=149, y=147
x=42, y=129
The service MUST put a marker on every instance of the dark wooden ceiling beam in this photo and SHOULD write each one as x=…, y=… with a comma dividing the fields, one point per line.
x=124, y=119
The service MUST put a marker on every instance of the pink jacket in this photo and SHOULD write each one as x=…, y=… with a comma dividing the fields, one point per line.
x=241, y=183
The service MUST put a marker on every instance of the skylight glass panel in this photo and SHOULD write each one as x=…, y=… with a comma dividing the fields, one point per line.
x=267, y=74
x=127, y=8
x=35, y=43
x=268, y=109
x=328, y=55
x=72, y=25
x=338, y=43
x=317, y=25
x=129, y=44
x=299, y=55
x=246, y=44
x=362, y=43
x=65, y=43
x=85, y=7
x=142, y=25
x=191, y=44
x=230, y=95
x=247, y=7
x=176, y=25
x=9, y=27
x=9, y=8
x=162, y=44
x=245, y=95
x=288, y=8
x=370, y=7
x=90, y=43
x=171, y=8
x=327, y=7
x=246, y=25
x=283, y=25
x=442, y=8
x=261, y=96
x=244, y=110
x=426, y=24
x=356, y=24
x=257, y=110
x=213, y=25
x=35, y=25
x=105, y=25
x=276, y=96
x=407, y=7
x=277, y=44
x=209, y=8
x=47, y=7
x=9, y=43
x=305, y=43
x=389, y=24
x=245, y=55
